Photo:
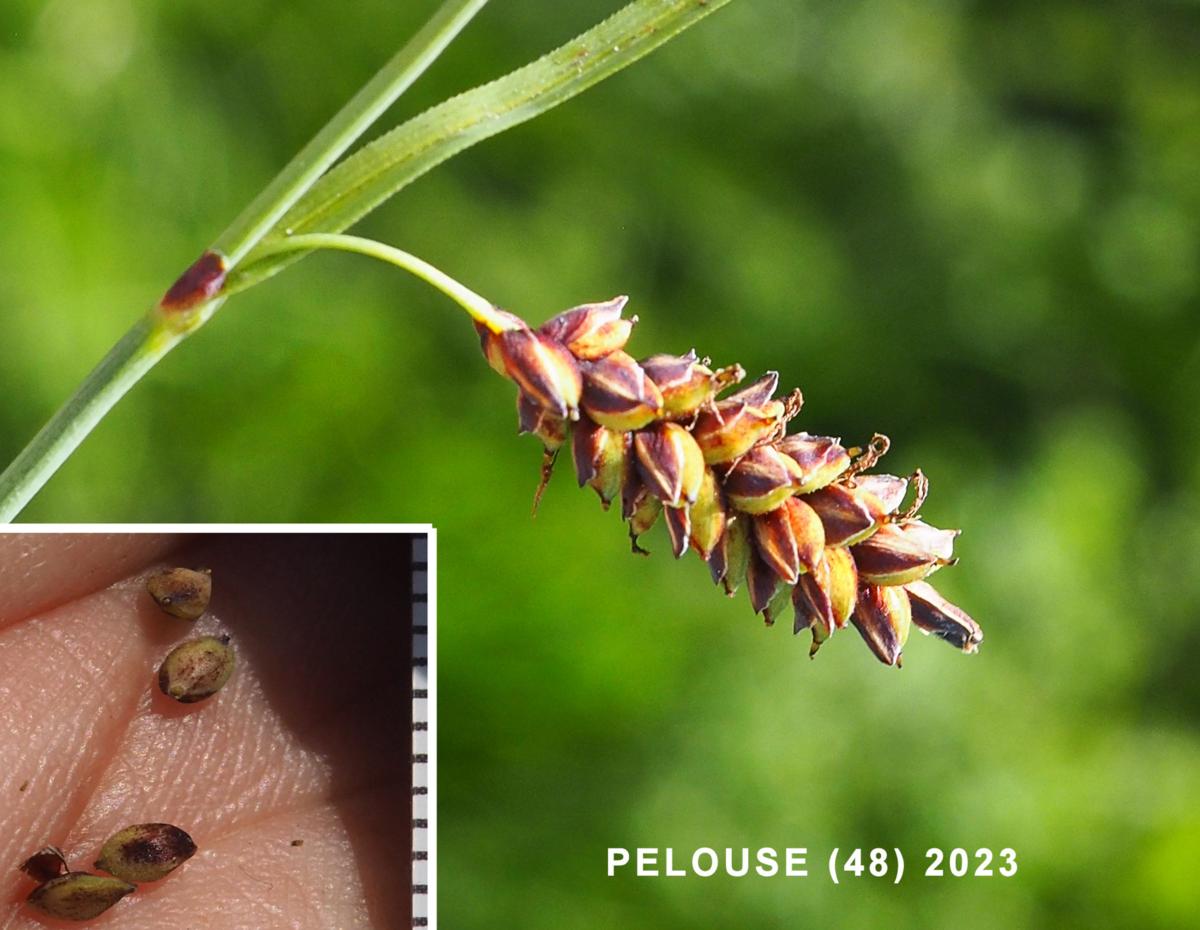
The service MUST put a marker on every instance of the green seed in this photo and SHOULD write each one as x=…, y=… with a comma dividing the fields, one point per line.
x=181, y=592
x=45, y=864
x=197, y=669
x=78, y=895
x=145, y=852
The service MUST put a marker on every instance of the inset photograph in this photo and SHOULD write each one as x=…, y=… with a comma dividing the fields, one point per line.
x=215, y=729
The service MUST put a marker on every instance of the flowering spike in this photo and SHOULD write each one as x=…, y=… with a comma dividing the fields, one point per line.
x=932, y=613
x=591, y=331
x=796, y=517
x=669, y=462
x=617, y=393
x=883, y=617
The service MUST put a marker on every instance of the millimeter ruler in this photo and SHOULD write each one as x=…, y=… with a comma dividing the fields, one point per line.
x=424, y=642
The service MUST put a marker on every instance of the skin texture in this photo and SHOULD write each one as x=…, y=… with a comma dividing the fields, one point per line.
x=309, y=740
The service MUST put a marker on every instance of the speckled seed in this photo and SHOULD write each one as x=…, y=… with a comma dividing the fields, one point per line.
x=45, y=864
x=181, y=592
x=78, y=895
x=197, y=669
x=145, y=852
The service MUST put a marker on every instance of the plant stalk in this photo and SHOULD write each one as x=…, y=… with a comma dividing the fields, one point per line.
x=480, y=309
x=350, y=122
x=137, y=352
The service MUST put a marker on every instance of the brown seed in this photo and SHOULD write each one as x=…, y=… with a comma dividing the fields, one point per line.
x=591, y=331
x=762, y=480
x=45, y=864
x=181, y=592
x=297, y=842
x=618, y=394
x=899, y=553
x=543, y=369
x=932, y=613
x=145, y=852
x=197, y=669
x=883, y=616
x=78, y=895
x=670, y=463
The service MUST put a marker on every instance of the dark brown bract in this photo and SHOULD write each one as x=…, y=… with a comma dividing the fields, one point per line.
x=796, y=518
x=45, y=864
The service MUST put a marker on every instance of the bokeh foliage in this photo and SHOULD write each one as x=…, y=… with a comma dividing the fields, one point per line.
x=972, y=225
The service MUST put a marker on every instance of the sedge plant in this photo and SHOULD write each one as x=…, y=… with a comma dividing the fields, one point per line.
x=796, y=518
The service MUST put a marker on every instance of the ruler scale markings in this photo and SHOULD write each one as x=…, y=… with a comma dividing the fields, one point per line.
x=423, y=878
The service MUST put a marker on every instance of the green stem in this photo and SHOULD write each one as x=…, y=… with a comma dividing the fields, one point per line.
x=153, y=336
x=479, y=308
x=350, y=122
x=137, y=352
x=379, y=169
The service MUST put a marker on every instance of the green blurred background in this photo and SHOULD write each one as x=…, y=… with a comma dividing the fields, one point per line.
x=972, y=226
